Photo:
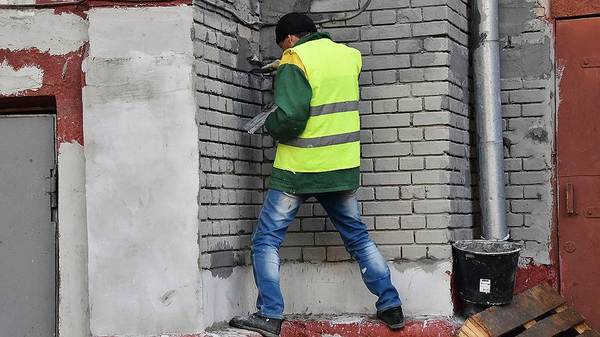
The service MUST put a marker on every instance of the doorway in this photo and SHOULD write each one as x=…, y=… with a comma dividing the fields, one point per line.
x=27, y=221
x=578, y=159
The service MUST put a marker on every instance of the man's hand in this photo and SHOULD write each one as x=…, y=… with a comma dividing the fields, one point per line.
x=271, y=67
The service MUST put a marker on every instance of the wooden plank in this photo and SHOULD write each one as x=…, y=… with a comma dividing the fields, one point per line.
x=554, y=324
x=471, y=329
x=524, y=308
x=590, y=333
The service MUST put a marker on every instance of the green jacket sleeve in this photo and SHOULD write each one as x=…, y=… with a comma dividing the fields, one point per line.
x=292, y=95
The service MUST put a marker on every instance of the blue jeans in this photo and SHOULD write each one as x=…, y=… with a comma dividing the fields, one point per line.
x=278, y=211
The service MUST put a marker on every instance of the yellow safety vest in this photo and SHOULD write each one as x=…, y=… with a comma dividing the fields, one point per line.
x=331, y=139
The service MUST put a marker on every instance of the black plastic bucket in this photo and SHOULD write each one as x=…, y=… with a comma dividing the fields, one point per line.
x=485, y=270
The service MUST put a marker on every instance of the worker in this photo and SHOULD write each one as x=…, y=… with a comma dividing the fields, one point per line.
x=317, y=127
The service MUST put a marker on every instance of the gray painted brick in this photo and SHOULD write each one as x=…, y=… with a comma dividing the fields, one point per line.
x=299, y=239
x=387, y=207
x=435, y=13
x=535, y=110
x=431, y=118
x=411, y=75
x=386, y=91
x=412, y=222
x=386, y=121
x=383, y=17
x=386, y=105
x=312, y=224
x=385, y=135
x=528, y=206
x=387, y=4
x=424, y=3
x=390, y=252
x=410, y=134
x=436, y=103
x=414, y=252
x=392, y=237
x=383, y=47
x=387, y=222
x=387, y=193
x=430, y=59
x=411, y=164
x=535, y=192
x=397, y=31
x=328, y=239
x=430, y=88
x=412, y=192
x=386, y=164
x=406, y=15
x=409, y=46
x=534, y=164
x=528, y=178
x=439, y=221
x=385, y=150
x=440, y=252
x=410, y=104
x=431, y=147
x=511, y=83
x=333, y=5
x=437, y=74
x=382, y=179
x=314, y=254
x=430, y=28
x=336, y=254
x=379, y=62
x=384, y=77
x=432, y=236
x=436, y=44
x=528, y=96
x=432, y=206
x=344, y=34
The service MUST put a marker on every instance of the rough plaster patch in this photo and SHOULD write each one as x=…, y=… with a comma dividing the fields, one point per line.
x=142, y=179
x=323, y=288
x=135, y=32
x=72, y=239
x=14, y=81
x=42, y=30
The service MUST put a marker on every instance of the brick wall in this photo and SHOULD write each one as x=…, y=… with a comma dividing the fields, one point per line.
x=415, y=195
x=527, y=73
x=417, y=192
x=230, y=160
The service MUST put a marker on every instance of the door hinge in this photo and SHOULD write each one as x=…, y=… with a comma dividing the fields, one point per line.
x=53, y=191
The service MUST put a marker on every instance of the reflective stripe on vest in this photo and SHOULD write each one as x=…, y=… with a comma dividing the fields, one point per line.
x=331, y=139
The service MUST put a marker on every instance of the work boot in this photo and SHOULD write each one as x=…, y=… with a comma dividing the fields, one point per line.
x=268, y=327
x=393, y=318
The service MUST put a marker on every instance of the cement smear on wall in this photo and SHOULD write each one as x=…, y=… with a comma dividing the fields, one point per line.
x=142, y=172
x=42, y=30
x=331, y=288
x=13, y=81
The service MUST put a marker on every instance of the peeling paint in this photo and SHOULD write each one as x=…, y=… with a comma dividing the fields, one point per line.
x=42, y=30
x=14, y=81
x=537, y=134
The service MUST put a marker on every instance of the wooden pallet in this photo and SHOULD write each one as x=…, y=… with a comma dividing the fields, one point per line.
x=537, y=312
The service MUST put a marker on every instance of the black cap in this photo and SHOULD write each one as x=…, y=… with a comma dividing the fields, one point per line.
x=293, y=23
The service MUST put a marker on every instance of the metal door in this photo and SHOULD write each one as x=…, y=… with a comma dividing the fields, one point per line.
x=578, y=146
x=27, y=233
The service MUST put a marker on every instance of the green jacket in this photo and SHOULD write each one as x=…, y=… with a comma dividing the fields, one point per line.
x=292, y=95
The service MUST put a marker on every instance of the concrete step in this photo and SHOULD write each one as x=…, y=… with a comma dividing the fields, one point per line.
x=352, y=326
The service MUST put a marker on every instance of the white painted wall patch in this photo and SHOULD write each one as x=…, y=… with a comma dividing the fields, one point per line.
x=14, y=81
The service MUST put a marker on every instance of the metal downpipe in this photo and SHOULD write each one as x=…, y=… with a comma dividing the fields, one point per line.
x=488, y=115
